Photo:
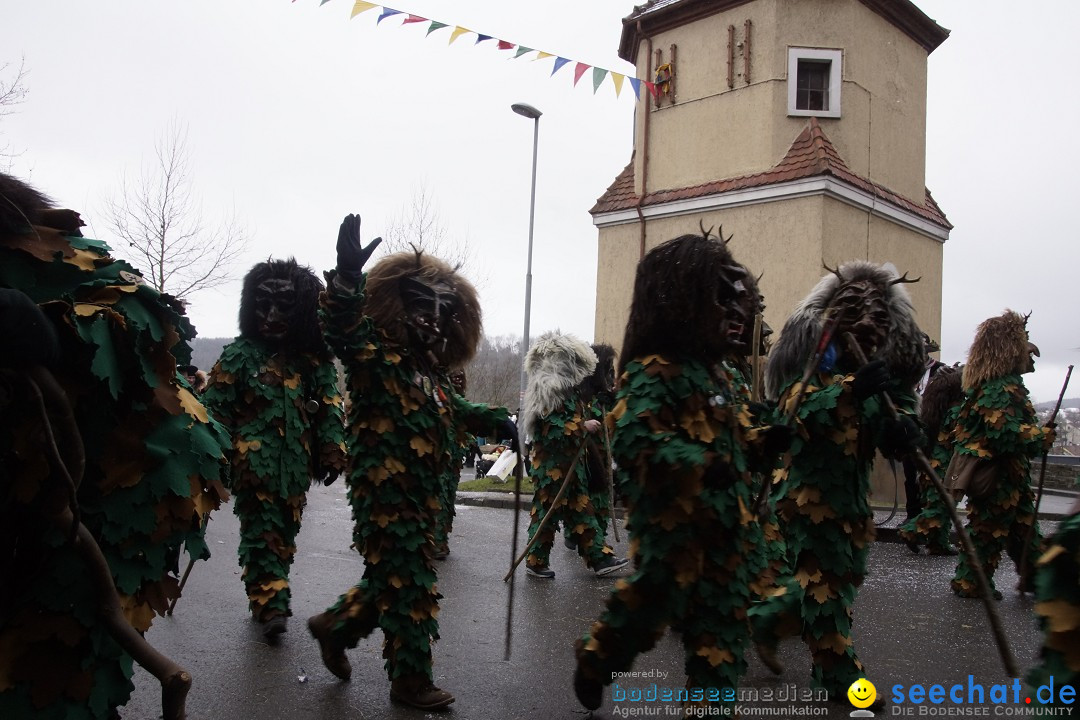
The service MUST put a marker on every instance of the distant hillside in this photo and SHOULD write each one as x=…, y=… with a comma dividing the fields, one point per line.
x=1066, y=403
x=205, y=351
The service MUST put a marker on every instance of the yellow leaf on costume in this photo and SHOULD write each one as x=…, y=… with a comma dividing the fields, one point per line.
x=836, y=642
x=192, y=406
x=292, y=382
x=394, y=465
x=745, y=516
x=555, y=474
x=264, y=496
x=698, y=427
x=382, y=520
x=245, y=446
x=432, y=503
x=715, y=655
x=393, y=357
x=86, y=309
x=84, y=259
x=804, y=578
x=139, y=615
x=821, y=593
x=396, y=581
x=570, y=427
x=377, y=475
x=421, y=445
x=817, y=513
x=1061, y=615
x=1050, y=554
x=807, y=494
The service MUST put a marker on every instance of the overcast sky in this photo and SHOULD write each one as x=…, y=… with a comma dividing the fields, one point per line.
x=297, y=115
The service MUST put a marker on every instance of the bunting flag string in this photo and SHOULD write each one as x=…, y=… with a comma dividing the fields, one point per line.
x=599, y=75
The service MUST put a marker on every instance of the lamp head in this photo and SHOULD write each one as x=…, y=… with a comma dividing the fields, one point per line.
x=526, y=110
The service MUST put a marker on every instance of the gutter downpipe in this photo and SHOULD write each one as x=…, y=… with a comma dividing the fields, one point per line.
x=644, y=149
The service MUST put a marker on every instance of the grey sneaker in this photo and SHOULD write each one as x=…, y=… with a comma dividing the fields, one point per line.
x=609, y=565
x=543, y=572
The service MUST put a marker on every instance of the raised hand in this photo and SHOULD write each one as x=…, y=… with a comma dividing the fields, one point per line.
x=870, y=379
x=351, y=253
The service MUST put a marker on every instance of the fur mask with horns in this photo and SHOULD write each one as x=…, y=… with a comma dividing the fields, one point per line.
x=1001, y=347
x=556, y=364
x=902, y=345
x=397, y=278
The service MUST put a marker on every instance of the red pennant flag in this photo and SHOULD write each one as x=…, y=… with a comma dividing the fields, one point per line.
x=579, y=70
x=651, y=87
x=413, y=19
x=503, y=45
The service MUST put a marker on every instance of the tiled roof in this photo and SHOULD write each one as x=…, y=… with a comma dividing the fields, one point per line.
x=811, y=155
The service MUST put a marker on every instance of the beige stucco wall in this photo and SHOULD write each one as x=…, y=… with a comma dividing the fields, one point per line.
x=712, y=132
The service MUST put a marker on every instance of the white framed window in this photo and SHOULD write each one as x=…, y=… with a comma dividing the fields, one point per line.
x=814, y=81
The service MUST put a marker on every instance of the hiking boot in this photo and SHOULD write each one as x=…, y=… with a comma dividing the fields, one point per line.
x=540, y=572
x=589, y=692
x=331, y=650
x=610, y=564
x=274, y=627
x=419, y=692
x=767, y=655
x=568, y=543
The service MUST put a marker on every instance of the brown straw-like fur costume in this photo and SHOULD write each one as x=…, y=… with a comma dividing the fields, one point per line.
x=1000, y=348
x=386, y=308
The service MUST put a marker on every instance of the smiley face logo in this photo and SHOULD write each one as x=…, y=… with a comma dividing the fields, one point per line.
x=862, y=693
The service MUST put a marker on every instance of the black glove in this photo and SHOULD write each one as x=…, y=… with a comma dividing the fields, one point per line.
x=29, y=338
x=351, y=254
x=900, y=437
x=330, y=477
x=777, y=440
x=870, y=379
x=506, y=429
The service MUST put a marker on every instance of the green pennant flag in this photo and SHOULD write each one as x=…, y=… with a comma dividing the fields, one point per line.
x=598, y=75
x=435, y=25
x=521, y=51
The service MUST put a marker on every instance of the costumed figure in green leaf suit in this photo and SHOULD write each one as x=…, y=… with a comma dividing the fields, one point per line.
x=823, y=501
x=686, y=448
x=275, y=388
x=396, y=329
x=559, y=420
x=998, y=423
x=465, y=440
x=1057, y=604
x=940, y=406
x=103, y=482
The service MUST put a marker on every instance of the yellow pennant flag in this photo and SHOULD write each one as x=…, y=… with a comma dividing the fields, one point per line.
x=617, y=79
x=540, y=55
x=360, y=7
x=458, y=32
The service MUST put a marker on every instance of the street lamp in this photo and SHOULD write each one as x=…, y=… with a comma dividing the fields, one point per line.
x=530, y=112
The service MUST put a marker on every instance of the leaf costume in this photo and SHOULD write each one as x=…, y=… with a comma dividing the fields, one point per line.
x=404, y=419
x=155, y=461
x=684, y=447
x=998, y=421
x=261, y=393
x=823, y=497
x=1057, y=604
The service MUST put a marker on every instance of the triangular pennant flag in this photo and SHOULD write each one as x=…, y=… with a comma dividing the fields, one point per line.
x=387, y=12
x=413, y=19
x=617, y=78
x=579, y=70
x=435, y=25
x=636, y=84
x=559, y=62
x=503, y=45
x=361, y=6
x=521, y=51
x=651, y=87
x=323, y=2
x=541, y=55
x=481, y=38
x=598, y=75
x=458, y=32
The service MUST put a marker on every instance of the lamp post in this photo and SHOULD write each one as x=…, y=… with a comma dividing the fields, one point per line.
x=530, y=112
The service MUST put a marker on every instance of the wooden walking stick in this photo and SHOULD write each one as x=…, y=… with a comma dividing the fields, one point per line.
x=969, y=548
x=1038, y=498
x=187, y=570
x=547, y=516
x=610, y=481
x=812, y=363
x=755, y=361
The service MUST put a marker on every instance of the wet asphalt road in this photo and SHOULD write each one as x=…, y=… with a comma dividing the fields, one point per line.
x=909, y=629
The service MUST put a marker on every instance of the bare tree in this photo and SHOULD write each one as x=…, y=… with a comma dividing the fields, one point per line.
x=495, y=372
x=161, y=223
x=419, y=227
x=13, y=92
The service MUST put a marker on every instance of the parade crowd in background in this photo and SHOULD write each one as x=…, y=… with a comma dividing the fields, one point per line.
x=742, y=462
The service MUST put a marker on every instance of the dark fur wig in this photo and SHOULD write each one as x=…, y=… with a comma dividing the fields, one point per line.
x=942, y=392
x=676, y=309
x=595, y=386
x=903, y=352
x=386, y=307
x=1000, y=348
x=22, y=206
x=304, y=334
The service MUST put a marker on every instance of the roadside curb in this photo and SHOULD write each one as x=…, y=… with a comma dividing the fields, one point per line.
x=885, y=532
